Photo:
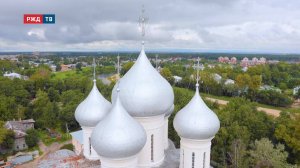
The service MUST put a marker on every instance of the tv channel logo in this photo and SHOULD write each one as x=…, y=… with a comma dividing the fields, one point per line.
x=39, y=18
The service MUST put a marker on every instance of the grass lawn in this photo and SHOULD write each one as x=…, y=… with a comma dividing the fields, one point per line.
x=33, y=149
x=258, y=104
x=66, y=74
x=48, y=140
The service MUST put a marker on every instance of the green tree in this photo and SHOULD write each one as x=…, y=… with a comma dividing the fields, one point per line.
x=6, y=137
x=241, y=124
x=44, y=111
x=166, y=73
x=264, y=154
x=58, y=67
x=243, y=80
x=288, y=131
x=126, y=67
x=78, y=67
x=273, y=98
x=31, y=138
x=255, y=82
x=70, y=100
x=8, y=108
x=53, y=94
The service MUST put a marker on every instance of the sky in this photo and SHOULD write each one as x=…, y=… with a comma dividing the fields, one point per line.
x=109, y=25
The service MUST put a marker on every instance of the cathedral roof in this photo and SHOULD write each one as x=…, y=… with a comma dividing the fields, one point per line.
x=196, y=120
x=144, y=91
x=92, y=109
x=170, y=111
x=118, y=135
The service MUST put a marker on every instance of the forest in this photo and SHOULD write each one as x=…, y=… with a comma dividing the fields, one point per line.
x=247, y=137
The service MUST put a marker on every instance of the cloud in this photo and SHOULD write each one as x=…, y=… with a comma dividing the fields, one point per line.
x=37, y=33
x=269, y=25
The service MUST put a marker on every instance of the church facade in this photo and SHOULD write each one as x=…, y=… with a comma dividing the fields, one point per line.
x=132, y=130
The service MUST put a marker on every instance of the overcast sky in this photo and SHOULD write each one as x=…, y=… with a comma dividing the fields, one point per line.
x=204, y=25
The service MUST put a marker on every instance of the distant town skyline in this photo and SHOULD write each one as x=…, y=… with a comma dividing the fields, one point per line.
x=251, y=26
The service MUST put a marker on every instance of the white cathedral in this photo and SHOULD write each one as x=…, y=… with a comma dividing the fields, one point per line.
x=132, y=131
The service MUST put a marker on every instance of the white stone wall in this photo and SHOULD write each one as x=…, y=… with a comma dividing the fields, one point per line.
x=195, y=153
x=154, y=126
x=130, y=162
x=20, y=144
x=77, y=146
x=88, y=150
x=166, y=139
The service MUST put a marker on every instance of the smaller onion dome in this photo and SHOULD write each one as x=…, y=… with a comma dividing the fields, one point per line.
x=196, y=120
x=170, y=111
x=118, y=135
x=92, y=109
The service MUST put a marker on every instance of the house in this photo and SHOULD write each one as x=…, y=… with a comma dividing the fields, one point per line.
x=64, y=67
x=177, y=79
x=268, y=87
x=14, y=75
x=20, y=127
x=217, y=77
x=53, y=68
x=296, y=90
x=229, y=82
x=77, y=141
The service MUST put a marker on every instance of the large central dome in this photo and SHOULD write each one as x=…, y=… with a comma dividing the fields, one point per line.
x=144, y=91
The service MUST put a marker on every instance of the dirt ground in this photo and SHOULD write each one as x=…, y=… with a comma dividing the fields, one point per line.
x=273, y=112
x=46, y=150
x=296, y=104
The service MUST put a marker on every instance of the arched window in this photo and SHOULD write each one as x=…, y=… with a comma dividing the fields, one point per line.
x=152, y=144
x=90, y=146
x=204, y=155
x=193, y=160
x=182, y=158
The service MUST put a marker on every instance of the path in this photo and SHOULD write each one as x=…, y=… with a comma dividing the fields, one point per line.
x=296, y=103
x=46, y=150
x=272, y=112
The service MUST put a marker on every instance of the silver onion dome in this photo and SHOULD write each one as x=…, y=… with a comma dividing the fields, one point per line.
x=196, y=120
x=144, y=91
x=170, y=111
x=118, y=135
x=92, y=109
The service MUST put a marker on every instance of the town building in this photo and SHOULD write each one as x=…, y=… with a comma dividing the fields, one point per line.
x=14, y=75
x=20, y=127
x=232, y=60
x=177, y=79
x=296, y=90
x=229, y=82
x=245, y=62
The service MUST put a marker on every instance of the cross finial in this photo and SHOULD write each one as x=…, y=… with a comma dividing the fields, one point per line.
x=142, y=24
x=94, y=65
x=198, y=68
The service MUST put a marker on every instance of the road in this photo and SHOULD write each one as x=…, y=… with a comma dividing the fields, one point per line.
x=272, y=112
